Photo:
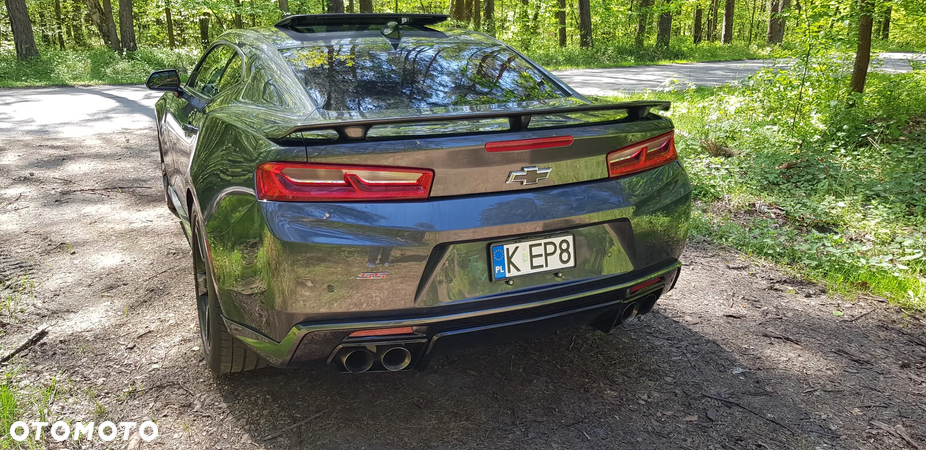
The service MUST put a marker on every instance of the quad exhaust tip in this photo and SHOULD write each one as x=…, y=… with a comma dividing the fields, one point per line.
x=630, y=312
x=395, y=359
x=357, y=360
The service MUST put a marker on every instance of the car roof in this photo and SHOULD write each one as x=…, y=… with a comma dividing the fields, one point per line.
x=322, y=29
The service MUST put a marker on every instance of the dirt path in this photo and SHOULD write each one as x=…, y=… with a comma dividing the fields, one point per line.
x=738, y=356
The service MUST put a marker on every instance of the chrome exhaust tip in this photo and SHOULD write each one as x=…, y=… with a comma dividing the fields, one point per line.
x=356, y=360
x=395, y=359
x=630, y=312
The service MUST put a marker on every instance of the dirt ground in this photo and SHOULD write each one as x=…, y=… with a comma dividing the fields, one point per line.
x=738, y=356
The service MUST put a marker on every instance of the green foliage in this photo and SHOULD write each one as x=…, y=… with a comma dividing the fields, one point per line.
x=830, y=183
x=93, y=66
x=616, y=54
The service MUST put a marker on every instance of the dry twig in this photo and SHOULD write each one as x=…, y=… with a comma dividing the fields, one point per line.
x=298, y=424
x=736, y=403
x=34, y=339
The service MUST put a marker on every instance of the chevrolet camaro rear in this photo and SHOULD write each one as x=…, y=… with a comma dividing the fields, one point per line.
x=370, y=192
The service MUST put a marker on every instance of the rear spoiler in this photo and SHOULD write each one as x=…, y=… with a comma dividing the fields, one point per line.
x=353, y=130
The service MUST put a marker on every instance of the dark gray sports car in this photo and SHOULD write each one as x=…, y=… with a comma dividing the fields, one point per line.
x=366, y=191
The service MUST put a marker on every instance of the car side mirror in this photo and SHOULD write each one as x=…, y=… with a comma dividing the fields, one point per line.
x=164, y=80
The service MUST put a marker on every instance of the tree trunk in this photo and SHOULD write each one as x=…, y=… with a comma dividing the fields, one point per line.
x=350, y=6
x=284, y=6
x=468, y=11
x=490, y=17
x=126, y=26
x=773, y=22
x=204, y=30
x=335, y=6
x=727, y=36
x=643, y=14
x=21, y=25
x=99, y=21
x=59, y=25
x=752, y=22
x=698, y=31
x=366, y=6
x=46, y=39
x=863, y=53
x=585, y=24
x=712, y=21
x=458, y=11
x=75, y=26
x=561, y=19
x=886, y=24
x=170, y=26
x=477, y=15
x=237, y=17
x=111, y=26
x=664, y=28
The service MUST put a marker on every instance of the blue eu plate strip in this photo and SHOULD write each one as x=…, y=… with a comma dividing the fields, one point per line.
x=498, y=262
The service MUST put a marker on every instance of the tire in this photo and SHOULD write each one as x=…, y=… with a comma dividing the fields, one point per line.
x=224, y=353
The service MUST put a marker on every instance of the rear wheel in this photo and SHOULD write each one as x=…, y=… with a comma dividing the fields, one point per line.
x=224, y=353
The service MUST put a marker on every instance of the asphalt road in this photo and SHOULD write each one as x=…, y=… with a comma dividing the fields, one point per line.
x=674, y=76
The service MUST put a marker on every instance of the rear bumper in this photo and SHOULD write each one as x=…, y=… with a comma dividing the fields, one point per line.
x=599, y=301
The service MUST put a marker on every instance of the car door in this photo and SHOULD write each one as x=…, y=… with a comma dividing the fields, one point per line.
x=217, y=72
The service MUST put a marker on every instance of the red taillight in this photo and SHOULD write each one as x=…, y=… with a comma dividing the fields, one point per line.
x=642, y=156
x=382, y=332
x=289, y=182
x=528, y=144
x=645, y=284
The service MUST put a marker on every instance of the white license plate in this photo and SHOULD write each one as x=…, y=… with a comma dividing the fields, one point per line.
x=527, y=257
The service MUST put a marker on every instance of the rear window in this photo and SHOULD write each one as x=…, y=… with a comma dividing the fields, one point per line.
x=376, y=76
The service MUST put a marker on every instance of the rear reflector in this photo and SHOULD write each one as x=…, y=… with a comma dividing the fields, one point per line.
x=641, y=156
x=382, y=332
x=528, y=144
x=645, y=284
x=295, y=182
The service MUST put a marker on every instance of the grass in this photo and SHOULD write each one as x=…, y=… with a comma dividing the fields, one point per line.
x=827, y=183
x=91, y=66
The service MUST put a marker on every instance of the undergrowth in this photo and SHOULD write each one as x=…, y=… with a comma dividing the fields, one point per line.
x=828, y=182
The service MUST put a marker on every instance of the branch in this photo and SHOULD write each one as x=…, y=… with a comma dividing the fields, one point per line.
x=34, y=339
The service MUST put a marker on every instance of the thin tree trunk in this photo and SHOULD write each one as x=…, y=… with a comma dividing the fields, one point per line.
x=561, y=19
x=712, y=21
x=863, y=53
x=284, y=6
x=111, y=26
x=21, y=25
x=477, y=15
x=458, y=10
x=468, y=11
x=350, y=6
x=76, y=26
x=698, y=32
x=886, y=24
x=727, y=37
x=585, y=24
x=204, y=30
x=335, y=6
x=59, y=26
x=366, y=6
x=643, y=14
x=490, y=17
x=43, y=27
x=170, y=26
x=782, y=21
x=664, y=28
x=237, y=17
x=752, y=22
x=773, y=23
x=126, y=26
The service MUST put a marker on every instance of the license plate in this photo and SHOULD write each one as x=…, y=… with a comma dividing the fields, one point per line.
x=527, y=257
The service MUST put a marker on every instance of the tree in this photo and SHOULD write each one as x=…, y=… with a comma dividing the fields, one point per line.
x=111, y=26
x=284, y=6
x=366, y=6
x=21, y=24
x=642, y=20
x=863, y=51
x=477, y=14
x=698, y=19
x=561, y=21
x=335, y=6
x=585, y=24
x=59, y=25
x=457, y=10
x=776, y=20
x=727, y=21
x=886, y=24
x=712, y=21
x=170, y=25
x=204, y=29
x=104, y=23
x=126, y=26
x=664, y=28
x=490, y=17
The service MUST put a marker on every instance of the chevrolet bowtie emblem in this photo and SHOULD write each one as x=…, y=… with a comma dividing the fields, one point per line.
x=528, y=175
